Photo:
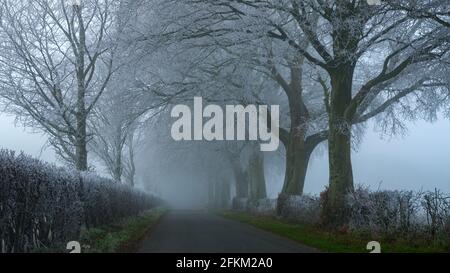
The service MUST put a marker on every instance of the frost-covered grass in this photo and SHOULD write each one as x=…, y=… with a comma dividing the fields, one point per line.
x=123, y=236
x=43, y=207
x=327, y=241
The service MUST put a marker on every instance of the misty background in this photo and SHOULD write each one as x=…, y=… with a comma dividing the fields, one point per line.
x=418, y=160
x=111, y=115
x=361, y=106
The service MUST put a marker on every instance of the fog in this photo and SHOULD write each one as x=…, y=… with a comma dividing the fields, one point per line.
x=17, y=138
x=419, y=160
x=330, y=114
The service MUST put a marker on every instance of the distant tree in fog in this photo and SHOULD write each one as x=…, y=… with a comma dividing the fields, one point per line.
x=114, y=122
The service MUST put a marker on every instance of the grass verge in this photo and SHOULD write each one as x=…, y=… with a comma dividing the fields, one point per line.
x=328, y=241
x=121, y=237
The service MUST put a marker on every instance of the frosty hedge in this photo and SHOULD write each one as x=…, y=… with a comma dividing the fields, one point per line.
x=42, y=207
x=405, y=215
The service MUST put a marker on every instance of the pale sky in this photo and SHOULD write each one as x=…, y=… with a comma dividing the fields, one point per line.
x=21, y=139
x=420, y=160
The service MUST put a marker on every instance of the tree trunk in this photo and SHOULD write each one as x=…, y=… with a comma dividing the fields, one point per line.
x=221, y=193
x=256, y=175
x=241, y=181
x=81, y=145
x=339, y=141
x=131, y=173
x=297, y=159
x=225, y=194
x=298, y=154
x=118, y=167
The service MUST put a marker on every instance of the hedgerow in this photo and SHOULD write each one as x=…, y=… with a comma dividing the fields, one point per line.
x=42, y=206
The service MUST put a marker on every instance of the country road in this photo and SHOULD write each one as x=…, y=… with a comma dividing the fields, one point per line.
x=201, y=232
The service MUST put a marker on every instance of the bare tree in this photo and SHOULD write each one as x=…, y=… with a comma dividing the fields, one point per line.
x=344, y=38
x=135, y=139
x=114, y=122
x=56, y=62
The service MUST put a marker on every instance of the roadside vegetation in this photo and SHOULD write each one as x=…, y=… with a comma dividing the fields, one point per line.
x=43, y=207
x=328, y=241
x=123, y=236
x=402, y=221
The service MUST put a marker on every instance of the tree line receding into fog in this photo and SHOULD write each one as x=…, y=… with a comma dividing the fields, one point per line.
x=101, y=77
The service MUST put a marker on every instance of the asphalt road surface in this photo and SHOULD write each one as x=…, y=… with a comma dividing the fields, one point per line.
x=202, y=232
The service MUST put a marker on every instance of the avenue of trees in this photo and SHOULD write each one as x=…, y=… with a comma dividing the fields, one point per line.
x=97, y=77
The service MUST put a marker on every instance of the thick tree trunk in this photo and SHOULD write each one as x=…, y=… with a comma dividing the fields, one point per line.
x=340, y=164
x=256, y=176
x=297, y=159
x=298, y=154
x=339, y=141
x=297, y=150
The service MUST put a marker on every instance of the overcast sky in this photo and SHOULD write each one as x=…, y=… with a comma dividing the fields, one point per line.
x=420, y=160
x=20, y=139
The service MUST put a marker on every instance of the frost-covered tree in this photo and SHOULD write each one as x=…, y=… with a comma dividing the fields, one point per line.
x=404, y=50
x=56, y=61
x=184, y=68
x=350, y=36
x=255, y=60
x=433, y=9
x=114, y=122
